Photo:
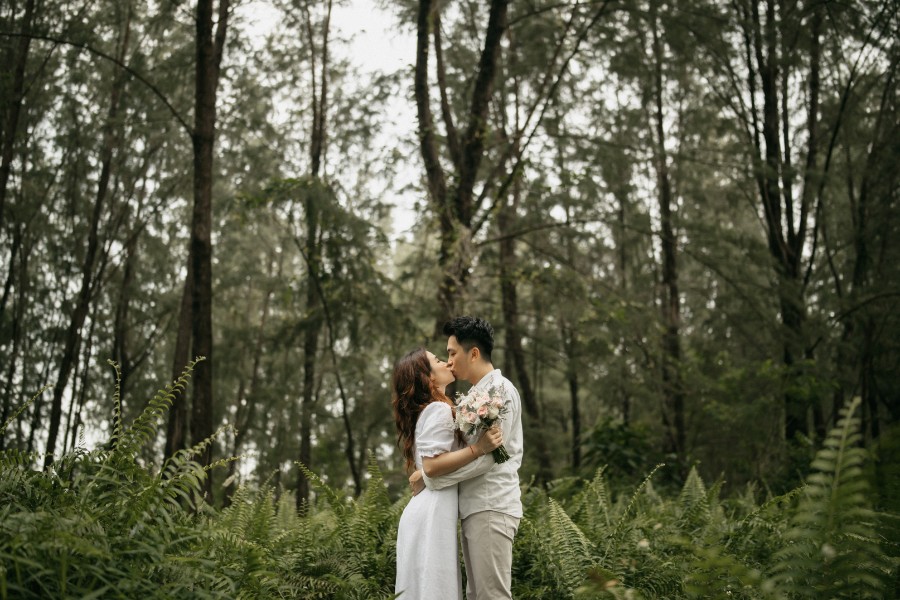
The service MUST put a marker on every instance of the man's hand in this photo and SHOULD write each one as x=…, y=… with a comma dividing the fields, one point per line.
x=490, y=440
x=415, y=482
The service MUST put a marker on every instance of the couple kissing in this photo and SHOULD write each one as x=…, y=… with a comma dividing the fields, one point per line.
x=464, y=458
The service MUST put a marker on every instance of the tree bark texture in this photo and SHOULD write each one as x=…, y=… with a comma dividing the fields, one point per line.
x=312, y=329
x=210, y=46
x=313, y=253
x=13, y=111
x=673, y=390
x=786, y=227
x=455, y=210
x=18, y=310
x=176, y=427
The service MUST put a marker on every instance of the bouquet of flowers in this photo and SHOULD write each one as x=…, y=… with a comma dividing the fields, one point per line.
x=478, y=411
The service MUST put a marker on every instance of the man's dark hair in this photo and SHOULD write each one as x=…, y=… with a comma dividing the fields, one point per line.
x=472, y=331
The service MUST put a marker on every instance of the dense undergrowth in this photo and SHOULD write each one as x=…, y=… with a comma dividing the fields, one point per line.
x=100, y=524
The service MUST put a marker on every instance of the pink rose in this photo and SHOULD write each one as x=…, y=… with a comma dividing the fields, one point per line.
x=471, y=418
x=482, y=410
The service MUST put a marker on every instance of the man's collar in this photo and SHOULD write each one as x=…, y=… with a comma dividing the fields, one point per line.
x=487, y=380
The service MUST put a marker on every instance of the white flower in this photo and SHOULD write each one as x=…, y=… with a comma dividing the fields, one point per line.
x=643, y=544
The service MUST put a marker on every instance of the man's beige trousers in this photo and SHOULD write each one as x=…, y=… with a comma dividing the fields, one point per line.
x=487, y=541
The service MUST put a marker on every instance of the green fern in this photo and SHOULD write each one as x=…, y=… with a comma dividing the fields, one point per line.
x=13, y=417
x=616, y=536
x=145, y=427
x=593, y=507
x=832, y=546
x=694, y=503
x=572, y=551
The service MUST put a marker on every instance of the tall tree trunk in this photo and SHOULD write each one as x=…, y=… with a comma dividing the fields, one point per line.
x=513, y=334
x=244, y=416
x=622, y=263
x=210, y=47
x=19, y=305
x=16, y=96
x=310, y=342
x=313, y=255
x=121, y=350
x=671, y=309
x=88, y=282
x=176, y=427
x=79, y=388
x=455, y=211
x=884, y=136
x=785, y=247
x=569, y=338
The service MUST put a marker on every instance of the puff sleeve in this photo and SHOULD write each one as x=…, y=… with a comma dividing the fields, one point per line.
x=434, y=431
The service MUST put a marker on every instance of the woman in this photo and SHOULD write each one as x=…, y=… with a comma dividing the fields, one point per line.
x=427, y=552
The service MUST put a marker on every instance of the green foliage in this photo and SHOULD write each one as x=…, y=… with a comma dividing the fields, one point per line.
x=623, y=448
x=102, y=524
x=832, y=544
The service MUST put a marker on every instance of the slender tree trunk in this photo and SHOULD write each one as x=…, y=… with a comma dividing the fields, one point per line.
x=510, y=304
x=15, y=107
x=569, y=340
x=572, y=376
x=19, y=305
x=671, y=306
x=310, y=342
x=121, y=350
x=455, y=211
x=87, y=290
x=210, y=46
x=176, y=428
x=621, y=255
x=244, y=416
x=313, y=255
x=785, y=247
x=79, y=388
x=11, y=272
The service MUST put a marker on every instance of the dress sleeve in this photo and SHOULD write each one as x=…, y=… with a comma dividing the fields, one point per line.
x=434, y=435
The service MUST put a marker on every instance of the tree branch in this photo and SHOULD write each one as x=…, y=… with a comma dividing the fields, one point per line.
x=85, y=46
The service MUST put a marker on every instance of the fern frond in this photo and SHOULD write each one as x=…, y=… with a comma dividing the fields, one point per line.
x=593, y=507
x=144, y=428
x=13, y=458
x=614, y=538
x=336, y=500
x=572, y=550
x=117, y=404
x=22, y=409
x=832, y=543
x=693, y=502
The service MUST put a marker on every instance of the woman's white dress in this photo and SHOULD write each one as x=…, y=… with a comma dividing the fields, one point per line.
x=427, y=551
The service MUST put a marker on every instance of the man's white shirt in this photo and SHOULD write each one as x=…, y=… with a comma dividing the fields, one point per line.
x=484, y=484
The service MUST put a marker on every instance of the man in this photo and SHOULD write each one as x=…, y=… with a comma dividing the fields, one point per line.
x=489, y=497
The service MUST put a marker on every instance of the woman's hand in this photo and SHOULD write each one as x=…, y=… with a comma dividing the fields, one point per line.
x=491, y=440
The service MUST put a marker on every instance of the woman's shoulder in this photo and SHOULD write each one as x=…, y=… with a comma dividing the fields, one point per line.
x=436, y=408
x=436, y=412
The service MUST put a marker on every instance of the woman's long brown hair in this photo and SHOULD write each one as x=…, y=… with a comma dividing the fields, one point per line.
x=412, y=390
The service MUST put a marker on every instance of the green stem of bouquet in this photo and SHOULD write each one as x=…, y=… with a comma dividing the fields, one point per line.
x=500, y=454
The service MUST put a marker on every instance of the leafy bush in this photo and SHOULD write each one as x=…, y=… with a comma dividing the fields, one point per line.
x=101, y=524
